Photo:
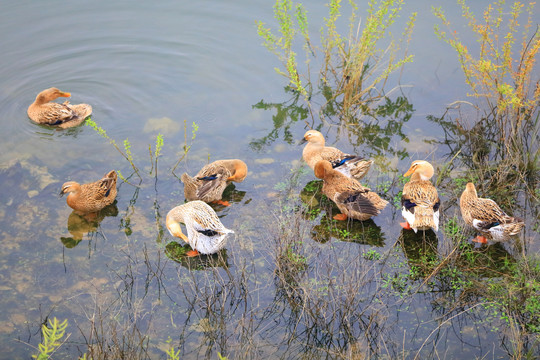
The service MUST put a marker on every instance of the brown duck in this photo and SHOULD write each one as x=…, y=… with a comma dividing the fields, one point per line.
x=352, y=199
x=420, y=201
x=65, y=115
x=210, y=182
x=315, y=151
x=92, y=197
x=487, y=217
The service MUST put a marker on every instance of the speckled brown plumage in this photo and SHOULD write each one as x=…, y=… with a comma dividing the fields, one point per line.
x=353, y=200
x=210, y=182
x=315, y=151
x=91, y=197
x=487, y=217
x=65, y=115
x=420, y=201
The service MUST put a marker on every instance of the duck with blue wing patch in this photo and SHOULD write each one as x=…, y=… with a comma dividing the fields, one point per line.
x=210, y=182
x=487, y=217
x=352, y=199
x=349, y=165
x=205, y=232
x=420, y=202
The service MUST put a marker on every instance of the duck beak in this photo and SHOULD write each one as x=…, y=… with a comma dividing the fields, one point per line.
x=302, y=142
x=65, y=94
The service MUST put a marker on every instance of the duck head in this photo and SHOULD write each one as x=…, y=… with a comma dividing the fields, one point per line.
x=314, y=137
x=50, y=94
x=471, y=189
x=239, y=169
x=322, y=168
x=422, y=169
x=69, y=187
x=173, y=225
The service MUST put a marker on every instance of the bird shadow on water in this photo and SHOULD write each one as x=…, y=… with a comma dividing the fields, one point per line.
x=79, y=225
x=319, y=206
x=177, y=252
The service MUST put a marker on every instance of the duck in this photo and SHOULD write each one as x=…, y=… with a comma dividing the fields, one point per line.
x=91, y=197
x=205, y=232
x=349, y=165
x=420, y=201
x=353, y=199
x=210, y=182
x=487, y=217
x=64, y=115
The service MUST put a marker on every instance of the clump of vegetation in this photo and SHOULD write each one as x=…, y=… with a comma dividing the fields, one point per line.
x=127, y=148
x=354, y=68
x=154, y=155
x=51, y=338
x=503, y=77
x=498, y=75
x=186, y=147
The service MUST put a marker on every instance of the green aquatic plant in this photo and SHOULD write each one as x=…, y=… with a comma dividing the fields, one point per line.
x=127, y=147
x=282, y=45
x=187, y=147
x=127, y=154
x=355, y=68
x=371, y=254
x=52, y=336
x=504, y=144
x=157, y=152
x=498, y=75
x=452, y=229
x=171, y=354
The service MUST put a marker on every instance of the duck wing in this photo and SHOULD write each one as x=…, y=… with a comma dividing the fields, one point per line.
x=357, y=201
x=421, y=193
x=212, y=180
x=56, y=114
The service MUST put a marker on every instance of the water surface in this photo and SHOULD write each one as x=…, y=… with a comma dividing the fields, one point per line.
x=146, y=68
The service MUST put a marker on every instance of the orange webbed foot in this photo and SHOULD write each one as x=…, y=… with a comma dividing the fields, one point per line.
x=192, y=253
x=480, y=239
x=406, y=225
x=340, y=217
x=221, y=202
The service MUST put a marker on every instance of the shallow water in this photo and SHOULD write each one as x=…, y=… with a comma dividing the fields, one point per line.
x=146, y=68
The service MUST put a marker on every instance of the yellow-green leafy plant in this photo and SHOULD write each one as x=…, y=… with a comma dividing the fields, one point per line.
x=186, y=147
x=154, y=156
x=282, y=45
x=126, y=152
x=355, y=68
x=127, y=147
x=52, y=336
x=500, y=70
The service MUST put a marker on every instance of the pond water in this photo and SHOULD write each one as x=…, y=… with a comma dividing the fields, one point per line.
x=152, y=67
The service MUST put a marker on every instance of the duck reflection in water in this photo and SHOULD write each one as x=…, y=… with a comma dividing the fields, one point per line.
x=362, y=232
x=420, y=249
x=79, y=225
x=178, y=253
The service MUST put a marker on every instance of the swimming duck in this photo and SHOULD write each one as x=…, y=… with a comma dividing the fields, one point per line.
x=420, y=201
x=92, y=197
x=487, y=217
x=349, y=165
x=353, y=200
x=43, y=111
x=210, y=182
x=205, y=232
